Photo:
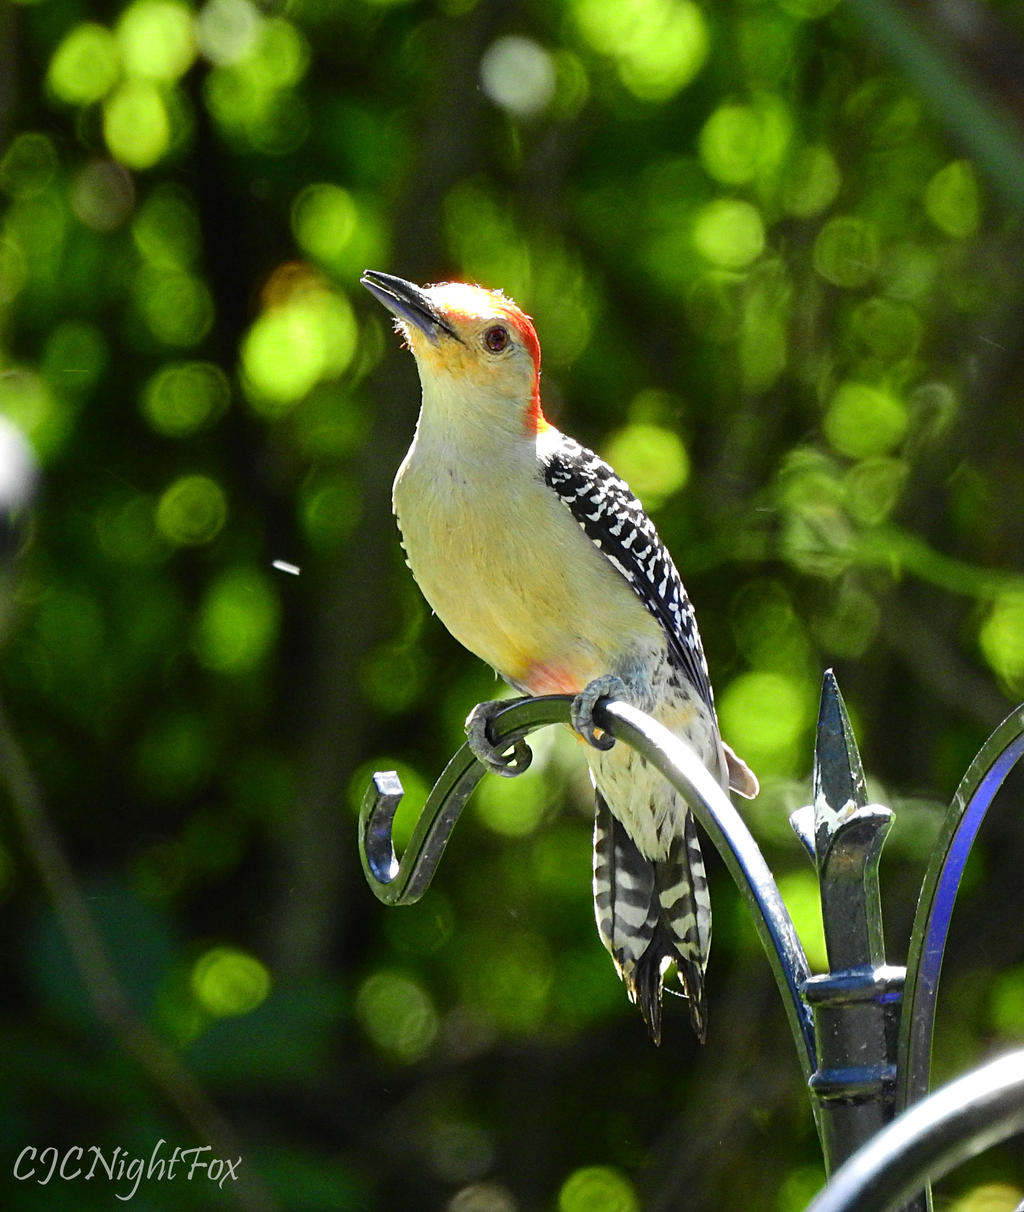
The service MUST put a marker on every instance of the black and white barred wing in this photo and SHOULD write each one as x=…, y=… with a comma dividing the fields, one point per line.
x=616, y=523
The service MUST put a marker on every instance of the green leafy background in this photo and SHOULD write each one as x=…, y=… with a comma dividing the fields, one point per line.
x=772, y=248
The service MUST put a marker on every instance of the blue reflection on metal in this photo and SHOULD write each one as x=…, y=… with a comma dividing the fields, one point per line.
x=973, y=798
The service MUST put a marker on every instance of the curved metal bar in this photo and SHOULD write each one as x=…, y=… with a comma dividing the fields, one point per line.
x=973, y=798
x=401, y=882
x=933, y=1137
x=733, y=840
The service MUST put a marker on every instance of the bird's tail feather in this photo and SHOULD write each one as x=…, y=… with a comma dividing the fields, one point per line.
x=650, y=914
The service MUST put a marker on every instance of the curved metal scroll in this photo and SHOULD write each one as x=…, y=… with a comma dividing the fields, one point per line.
x=933, y=1137
x=973, y=798
x=403, y=881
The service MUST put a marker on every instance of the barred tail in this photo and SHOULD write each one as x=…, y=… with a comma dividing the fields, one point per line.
x=653, y=913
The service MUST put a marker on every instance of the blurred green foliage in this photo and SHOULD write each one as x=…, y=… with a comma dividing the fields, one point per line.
x=776, y=277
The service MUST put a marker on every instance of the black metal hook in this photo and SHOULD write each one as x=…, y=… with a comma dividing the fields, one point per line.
x=842, y=833
x=403, y=881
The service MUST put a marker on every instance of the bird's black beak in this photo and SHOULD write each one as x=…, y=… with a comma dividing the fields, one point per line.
x=408, y=302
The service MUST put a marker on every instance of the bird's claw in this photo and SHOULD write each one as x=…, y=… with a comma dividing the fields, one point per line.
x=582, y=710
x=507, y=763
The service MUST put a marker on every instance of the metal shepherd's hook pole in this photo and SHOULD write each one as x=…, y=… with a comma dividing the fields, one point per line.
x=865, y=1055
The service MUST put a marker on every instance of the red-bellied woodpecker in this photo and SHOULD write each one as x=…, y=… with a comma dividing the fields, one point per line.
x=540, y=560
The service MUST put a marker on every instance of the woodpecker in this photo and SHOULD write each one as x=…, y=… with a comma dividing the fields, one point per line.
x=539, y=559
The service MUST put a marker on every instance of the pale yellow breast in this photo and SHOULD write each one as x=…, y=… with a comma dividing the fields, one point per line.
x=508, y=571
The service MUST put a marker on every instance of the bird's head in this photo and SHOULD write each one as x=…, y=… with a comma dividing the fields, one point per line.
x=475, y=350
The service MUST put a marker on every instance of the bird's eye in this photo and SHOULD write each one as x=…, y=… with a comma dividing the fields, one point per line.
x=496, y=339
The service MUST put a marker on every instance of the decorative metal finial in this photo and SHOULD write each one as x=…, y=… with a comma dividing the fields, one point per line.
x=856, y=1004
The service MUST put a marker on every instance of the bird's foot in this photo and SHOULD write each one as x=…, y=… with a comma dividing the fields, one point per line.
x=582, y=710
x=513, y=759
